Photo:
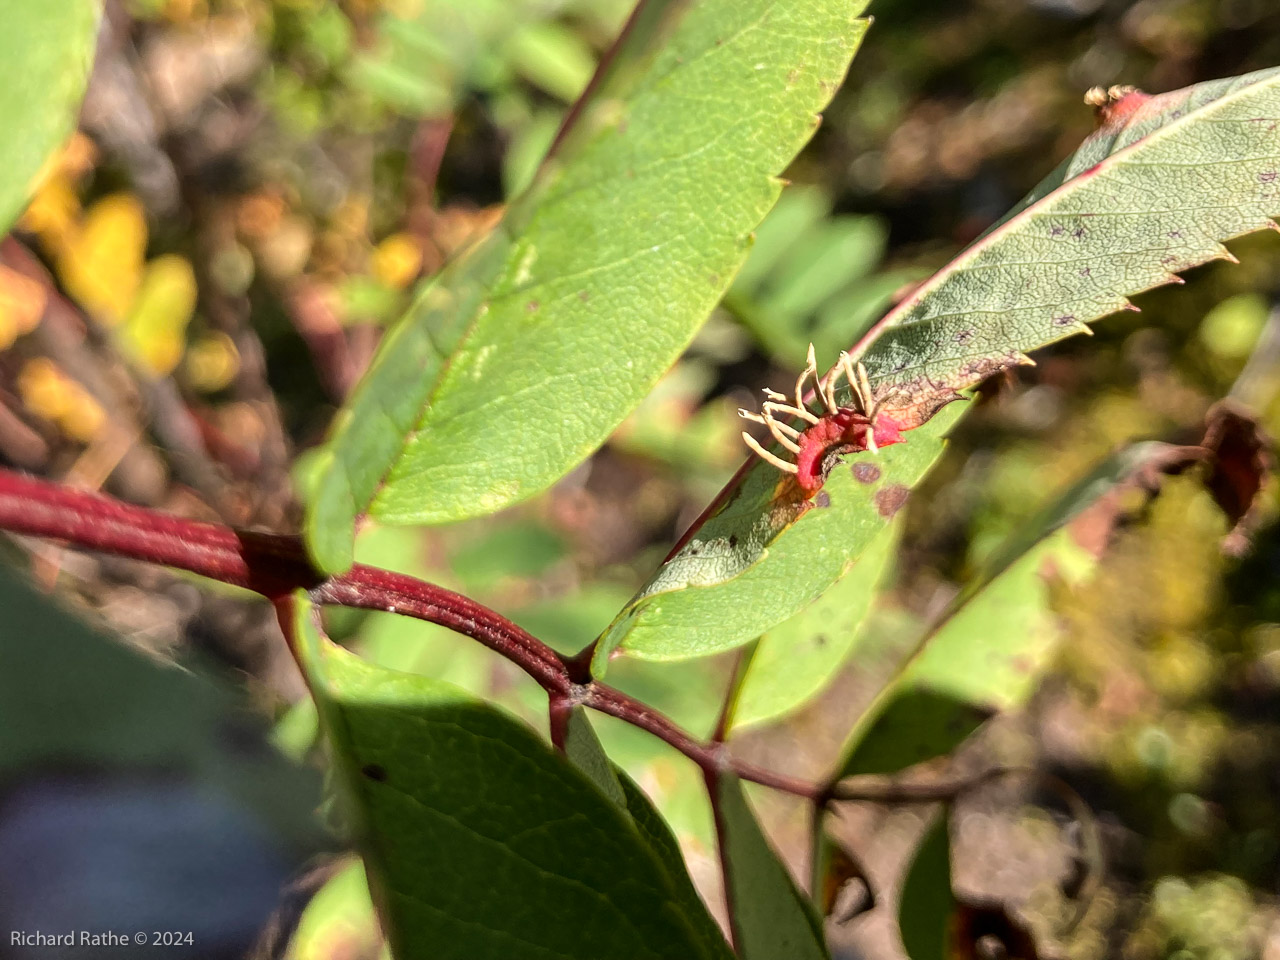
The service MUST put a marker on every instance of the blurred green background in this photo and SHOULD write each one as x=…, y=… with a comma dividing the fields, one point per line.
x=258, y=187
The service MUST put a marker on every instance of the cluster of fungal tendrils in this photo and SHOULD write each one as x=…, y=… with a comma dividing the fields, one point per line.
x=838, y=431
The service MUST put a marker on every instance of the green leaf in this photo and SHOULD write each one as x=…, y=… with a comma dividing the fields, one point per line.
x=420, y=62
x=412, y=646
x=988, y=650
x=915, y=724
x=582, y=747
x=806, y=280
x=927, y=903
x=1130, y=209
x=569, y=622
x=480, y=841
x=654, y=828
x=524, y=548
x=1131, y=206
x=339, y=917
x=795, y=659
x=47, y=50
x=750, y=565
x=823, y=263
x=553, y=58
x=772, y=919
x=525, y=353
x=798, y=211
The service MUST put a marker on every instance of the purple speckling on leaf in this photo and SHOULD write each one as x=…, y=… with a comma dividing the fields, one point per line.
x=865, y=472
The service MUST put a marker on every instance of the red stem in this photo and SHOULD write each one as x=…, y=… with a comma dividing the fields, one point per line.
x=275, y=565
x=558, y=712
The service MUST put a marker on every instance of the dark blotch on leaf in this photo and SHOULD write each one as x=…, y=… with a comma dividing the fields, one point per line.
x=890, y=500
x=823, y=499
x=733, y=540
x=374, y=772
x=865, y=472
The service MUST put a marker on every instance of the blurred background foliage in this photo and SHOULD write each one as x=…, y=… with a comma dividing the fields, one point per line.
x=258, y=187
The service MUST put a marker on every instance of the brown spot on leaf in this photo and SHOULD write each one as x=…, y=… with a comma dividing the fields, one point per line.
x=891, y=499
x=532, y=306
x=823, y=499
x=865, y=472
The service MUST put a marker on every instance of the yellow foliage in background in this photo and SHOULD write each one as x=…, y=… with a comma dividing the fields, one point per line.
x=212, y=362
x=185, y=11
x=397, y=260
x=155, y=334
x=101, y=264
x=49, y=393
x=22, y=302
x=100, y=257
x=54, y=213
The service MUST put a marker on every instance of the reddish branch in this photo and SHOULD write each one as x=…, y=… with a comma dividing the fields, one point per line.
x=275, y=565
